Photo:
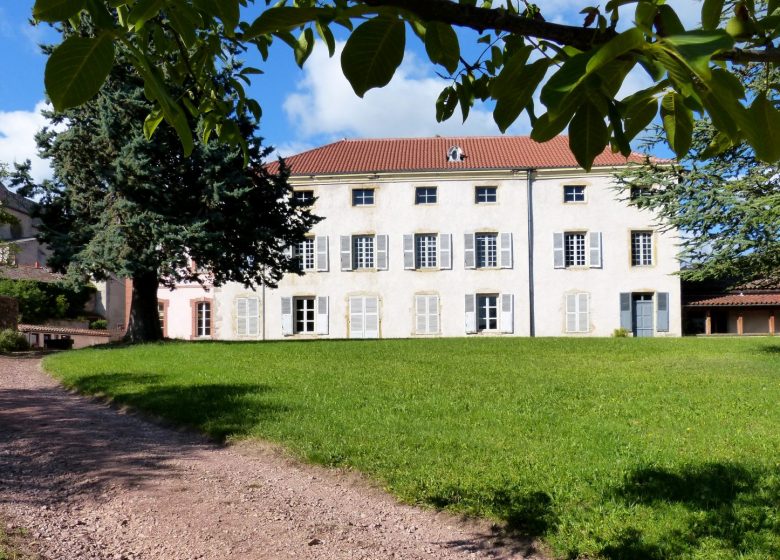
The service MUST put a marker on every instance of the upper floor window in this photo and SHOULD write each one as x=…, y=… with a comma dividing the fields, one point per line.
x=425, y=250
x=574, y=193
x=304, y=198
x=362, y=197
x=574, y=249
x=486, y=250
x=425, y=195
x=485, y=194
x=363, y=251
x=203, y=319
x=641, y=248
x=640, y=192
x=304, y=252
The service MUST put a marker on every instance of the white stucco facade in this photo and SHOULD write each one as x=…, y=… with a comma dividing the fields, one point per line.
x=525, y=289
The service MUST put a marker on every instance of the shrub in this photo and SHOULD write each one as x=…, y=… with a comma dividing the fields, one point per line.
x=620, y=333
x=99, y=325
x=39, y=301
x=12, y=341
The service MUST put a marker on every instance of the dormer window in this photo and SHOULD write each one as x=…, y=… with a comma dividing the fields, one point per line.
x=455, y=155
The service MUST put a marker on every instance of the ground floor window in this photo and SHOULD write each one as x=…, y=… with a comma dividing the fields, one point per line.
x=487, y=312
x=364, y=317
x=426, y=314
x=304, y=315
x=577, y=313
x=203, y=319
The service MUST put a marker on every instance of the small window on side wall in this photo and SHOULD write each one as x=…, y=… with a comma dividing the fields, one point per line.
x=303, y=198
x=483, y=195
x=362, y=197
x=574, y=193
x=425, y=195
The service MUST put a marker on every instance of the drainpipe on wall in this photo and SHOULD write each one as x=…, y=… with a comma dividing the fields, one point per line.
x=530, y=192
x=262, y=298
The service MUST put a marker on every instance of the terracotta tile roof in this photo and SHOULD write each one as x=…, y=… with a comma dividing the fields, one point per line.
x=430, y=154
x=63, y=330
x=29, y=273
x=736, y=300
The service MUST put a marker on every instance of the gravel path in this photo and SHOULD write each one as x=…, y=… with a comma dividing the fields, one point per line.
x=89, y=482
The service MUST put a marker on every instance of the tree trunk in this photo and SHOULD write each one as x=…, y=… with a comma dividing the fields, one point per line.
x=144, y=323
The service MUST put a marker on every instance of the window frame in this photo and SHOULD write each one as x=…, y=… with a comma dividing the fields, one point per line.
x=422, y=196
x=495, y=307
x=301, y=199
x=642, y=253
x=578, y=194
x=360, y=197
x=203, y=319
x=485, y=195
x=307, y=323
x=306, y=253
x=483, y=250
x=426, y=251
x=364, y=252
x=571, y=253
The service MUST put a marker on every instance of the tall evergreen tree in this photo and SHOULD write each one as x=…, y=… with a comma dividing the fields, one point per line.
x=726, y=205
x=121, y=204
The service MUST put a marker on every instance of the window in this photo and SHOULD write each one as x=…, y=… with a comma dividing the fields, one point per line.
x=487, y=312
x=574, y=246
x=304, y=252
x=484, y=194
x=640, y=192
x=577, y=313
x=247, y=323
x=486, y=249
x=425, y=195
x=203, y=319
x=426, y=314
x=304, y=315
x=455, y=154
x=161, y=315
x=362, y=197
x=364, y=317
x=363, y=251
x=304, y=198
x=641, y=248
x=574, y=193
x=425, y=250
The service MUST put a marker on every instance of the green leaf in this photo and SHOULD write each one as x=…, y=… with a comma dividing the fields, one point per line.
x=588, y=135
x=523, y=84
x=56, y=10
x=711, y=11
x=764, y=136
x=548, y=127
x=695, y=48
x=446, y=103
x=373, y=53
x=327, y=36
x=185, y=21
x=624, y=42
x=100, y=15
x=441, y=44
x=564, y=81
x=678, y=123
x=143, y=11
x=226, y=10
x=667, y=22
x=507, y=81
x=283, y=18
x=77, y=69
x=639, y=115
x=305, y=46
x=151, y=123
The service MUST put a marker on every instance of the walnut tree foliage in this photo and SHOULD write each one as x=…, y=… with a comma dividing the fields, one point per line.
x=726, y=205
x=120, y=204
x=577, y=70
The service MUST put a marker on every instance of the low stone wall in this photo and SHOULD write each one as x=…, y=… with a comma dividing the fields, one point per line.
x=9, y=313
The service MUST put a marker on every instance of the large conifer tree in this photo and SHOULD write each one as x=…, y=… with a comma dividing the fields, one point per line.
x=121, y=204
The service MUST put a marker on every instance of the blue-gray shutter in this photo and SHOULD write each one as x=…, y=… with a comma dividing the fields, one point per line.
x=321, y=245
x=408, y=252
x=662, y=321
x=445, y=251
x=346, y=252
x=381, y=252
x=469, y=256
x=558, y=254
x=625, y=311
x=595, y=249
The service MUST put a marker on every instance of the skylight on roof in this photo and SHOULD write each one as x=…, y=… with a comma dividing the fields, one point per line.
x=455, y=155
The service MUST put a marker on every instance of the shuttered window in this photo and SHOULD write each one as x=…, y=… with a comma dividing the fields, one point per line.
x=577, y=312
x=426, y=314
x=363, y=317
x=362, y=251
x=304, y=253
x=425, y=250
x=304, y=315
x=486, y=250
x=247, y=321
x=487, y=312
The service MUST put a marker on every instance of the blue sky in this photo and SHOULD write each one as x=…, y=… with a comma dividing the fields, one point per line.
x=301, y=108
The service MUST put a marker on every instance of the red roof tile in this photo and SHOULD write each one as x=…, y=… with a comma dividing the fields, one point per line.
x=37, y=274
x=64, y=330
x=430, y=154
x=737, y=300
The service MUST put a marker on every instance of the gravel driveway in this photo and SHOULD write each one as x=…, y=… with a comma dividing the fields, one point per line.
x=89, y=482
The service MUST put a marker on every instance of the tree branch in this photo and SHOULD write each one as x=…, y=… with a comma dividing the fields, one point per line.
x=739, y=56
x=481, y=19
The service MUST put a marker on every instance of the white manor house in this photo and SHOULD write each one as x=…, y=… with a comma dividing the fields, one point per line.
x=468, y=236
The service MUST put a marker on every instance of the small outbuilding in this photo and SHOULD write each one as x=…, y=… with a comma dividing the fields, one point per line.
x=750, y=309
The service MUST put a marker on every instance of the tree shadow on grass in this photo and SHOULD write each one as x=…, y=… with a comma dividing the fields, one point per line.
x=728, y=507
x=219, y=410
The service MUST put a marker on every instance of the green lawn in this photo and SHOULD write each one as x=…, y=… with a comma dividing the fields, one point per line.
x=609, y=448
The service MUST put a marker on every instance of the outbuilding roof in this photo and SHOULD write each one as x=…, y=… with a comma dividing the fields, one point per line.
x=434, y=154
x=736, y=300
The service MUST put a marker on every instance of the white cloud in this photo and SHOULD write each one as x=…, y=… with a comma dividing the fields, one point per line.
x=17, y=139
x=324, y=104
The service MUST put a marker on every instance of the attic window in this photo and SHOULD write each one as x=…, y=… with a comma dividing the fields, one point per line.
x=455, y=155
